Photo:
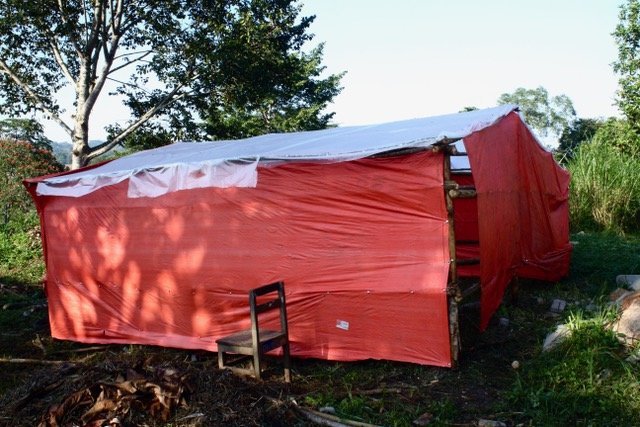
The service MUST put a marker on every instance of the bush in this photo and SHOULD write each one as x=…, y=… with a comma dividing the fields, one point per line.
x=605, y=188
x=20, y=160
x=21, y=250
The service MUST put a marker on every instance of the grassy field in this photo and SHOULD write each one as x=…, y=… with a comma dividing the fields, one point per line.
x=586, y=381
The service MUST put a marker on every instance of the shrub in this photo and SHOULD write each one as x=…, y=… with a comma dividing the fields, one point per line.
x=21, y=250
x=20, y=160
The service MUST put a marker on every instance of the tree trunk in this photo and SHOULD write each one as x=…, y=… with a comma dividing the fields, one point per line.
x=80, y=140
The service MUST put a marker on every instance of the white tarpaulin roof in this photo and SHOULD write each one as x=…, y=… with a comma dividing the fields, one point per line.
x=187, y=165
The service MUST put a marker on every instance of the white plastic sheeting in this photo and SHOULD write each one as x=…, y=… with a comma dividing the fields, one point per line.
x=190, y=165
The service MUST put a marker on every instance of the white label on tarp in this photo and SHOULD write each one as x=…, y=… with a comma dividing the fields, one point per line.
x=342, y=324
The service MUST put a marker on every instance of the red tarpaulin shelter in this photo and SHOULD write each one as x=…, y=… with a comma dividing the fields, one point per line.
x=161, y=247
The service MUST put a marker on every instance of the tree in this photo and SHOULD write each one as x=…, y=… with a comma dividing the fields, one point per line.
x=627, y=37
x=619, y=134
x=173, y=61
x=580, y=131
x=25, y=130
x=20, y=160
x=544, y=114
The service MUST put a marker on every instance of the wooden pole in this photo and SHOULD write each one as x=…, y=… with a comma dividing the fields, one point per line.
x=453, y=290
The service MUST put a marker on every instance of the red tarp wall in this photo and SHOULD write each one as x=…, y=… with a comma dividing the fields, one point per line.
x=523, y=207
x=362, y=248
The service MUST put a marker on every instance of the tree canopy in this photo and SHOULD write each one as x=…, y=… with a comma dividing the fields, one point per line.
x=543, y=113
x=190, y=69
x=627, y=37
x=580, y=131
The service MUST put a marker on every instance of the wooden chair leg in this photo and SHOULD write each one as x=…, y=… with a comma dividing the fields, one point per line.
x=287, y=363
x=256, y=363
x=220, y=358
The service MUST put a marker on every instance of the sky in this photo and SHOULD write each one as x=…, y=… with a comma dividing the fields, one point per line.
x=418, y=58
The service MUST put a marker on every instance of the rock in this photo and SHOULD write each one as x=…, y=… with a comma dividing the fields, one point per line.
x=618, y=295
x=558, y=306
x=603, y=376
x=328, y=410
x=423, y=419
x=634, y=357
x=630, y=280
x=503, y=322
x=491, y=423
x=552, y=340
x=628, y=325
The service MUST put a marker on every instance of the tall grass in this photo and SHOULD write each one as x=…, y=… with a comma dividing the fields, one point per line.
x=605, y=189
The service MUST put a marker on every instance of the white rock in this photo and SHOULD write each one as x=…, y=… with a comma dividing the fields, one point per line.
x=558, y=305
x=491, y=423
x=556, y=337
x=630, y=280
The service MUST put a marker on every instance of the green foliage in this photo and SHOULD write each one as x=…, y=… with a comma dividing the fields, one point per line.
x=627, y=37
x=25, y=130
x=218, y=69
x=146, y=137
x=605, y=189
x=596, y=261
x=20, y=160
x=543, y=113
x=620, y=135
x=21, y=259
x=578, y=132
x=585, y=381
x=281, y=92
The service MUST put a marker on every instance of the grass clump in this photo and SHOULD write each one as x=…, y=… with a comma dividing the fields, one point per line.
x=584, y=381
x=605, y=189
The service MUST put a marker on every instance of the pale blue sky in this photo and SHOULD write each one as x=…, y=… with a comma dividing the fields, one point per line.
x=416, y=58
x=412, y=58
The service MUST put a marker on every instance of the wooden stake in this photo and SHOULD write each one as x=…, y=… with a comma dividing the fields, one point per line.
x=453, y=289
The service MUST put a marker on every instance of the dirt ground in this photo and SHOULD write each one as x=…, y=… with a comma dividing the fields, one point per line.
x=44, y=382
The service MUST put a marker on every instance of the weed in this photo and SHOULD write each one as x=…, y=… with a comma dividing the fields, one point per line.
x=585, y=381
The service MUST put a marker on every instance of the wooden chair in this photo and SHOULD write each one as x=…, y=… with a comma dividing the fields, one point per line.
x=255, y=342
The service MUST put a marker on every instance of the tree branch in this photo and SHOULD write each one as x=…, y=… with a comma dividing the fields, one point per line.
x=34, y=96
x=58, y=56
x=167, y=100
x=65, y=20
x=126, y=64
x=128, y=84
x=110, y=53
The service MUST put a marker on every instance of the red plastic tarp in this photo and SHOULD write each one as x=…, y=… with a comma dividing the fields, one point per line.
x=523, y=218
x=361, y=246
